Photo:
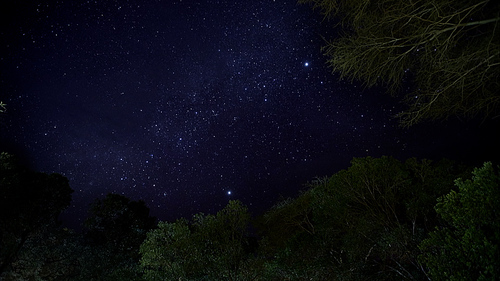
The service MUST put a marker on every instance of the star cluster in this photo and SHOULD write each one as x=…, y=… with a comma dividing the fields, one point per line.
x=185, y=104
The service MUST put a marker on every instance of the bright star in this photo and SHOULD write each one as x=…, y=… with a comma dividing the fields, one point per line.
x=229, y=192
x=306, y=64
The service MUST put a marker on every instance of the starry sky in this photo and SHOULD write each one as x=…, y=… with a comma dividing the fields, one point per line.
x=188, y=104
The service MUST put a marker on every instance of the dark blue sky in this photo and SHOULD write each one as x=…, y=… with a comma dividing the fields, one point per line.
x=177, y=103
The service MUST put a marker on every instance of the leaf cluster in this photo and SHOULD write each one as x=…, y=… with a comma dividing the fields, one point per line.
x=119, y=223
x=363, y=222
x=467, y=247
x=33, y=245
x=447, y=49
x=29, y=201
x=376, y=220
x=206, y=248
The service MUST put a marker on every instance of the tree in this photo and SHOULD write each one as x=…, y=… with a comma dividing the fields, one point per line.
x=168, y=253
x=108, y=250
x=210, y=247
x=224, y=238
x=115, y=230
x=467, y=247
x=29, y=201
x=51, y=254
x=362, y=210
x=119, y=223
x=363, y=222
x=287, y=219
x=446, y=47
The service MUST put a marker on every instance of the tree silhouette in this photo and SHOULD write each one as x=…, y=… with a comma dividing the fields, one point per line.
x=114, y=231
x=362, y=223
x=29, y=201
x=119, y=223
x=447, y=47
x=210, y=247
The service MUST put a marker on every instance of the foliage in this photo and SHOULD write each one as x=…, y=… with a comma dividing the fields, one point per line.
x=207, y=248
x=101, y=262
x=119, y=223
x=390, y=42
x=29, y=201
x=34, y=247
x=363, y=222
x=60, y=254
x=288, y=219
x=115, y=229
x=367, y=222
x=468, y=247
x=50, y=254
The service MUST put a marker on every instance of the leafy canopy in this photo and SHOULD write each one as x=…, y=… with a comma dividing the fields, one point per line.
x=210, y=246
x=119, y=223
x=363, y=223
x=468, y=247
x=448, y=48
x=29, y=202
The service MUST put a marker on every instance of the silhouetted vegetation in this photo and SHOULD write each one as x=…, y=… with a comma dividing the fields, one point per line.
x=446, y=48
x=465, y=247
x=376, y=220
x=30, y=202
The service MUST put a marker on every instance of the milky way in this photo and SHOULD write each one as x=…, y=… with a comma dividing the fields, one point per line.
x=186, y=105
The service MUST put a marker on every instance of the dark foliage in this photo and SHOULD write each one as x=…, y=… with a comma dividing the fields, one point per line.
x=119, y=223
x=29, y=201
x=377, y=220
x=364, y=222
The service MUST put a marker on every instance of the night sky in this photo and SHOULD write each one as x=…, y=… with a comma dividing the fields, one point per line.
x=187, y=105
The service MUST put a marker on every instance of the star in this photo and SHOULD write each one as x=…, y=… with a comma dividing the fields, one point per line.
x=215, y=104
